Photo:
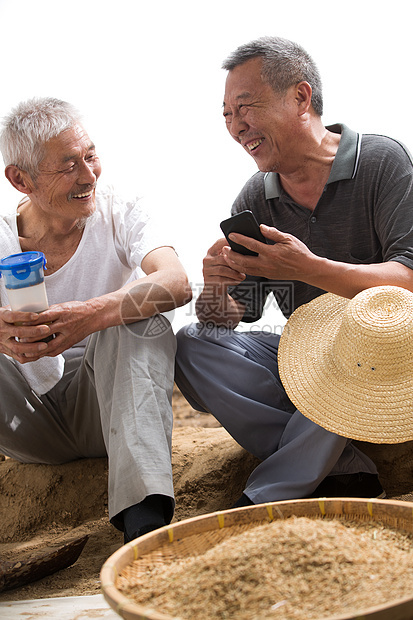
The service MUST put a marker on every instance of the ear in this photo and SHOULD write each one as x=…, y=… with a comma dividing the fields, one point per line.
x=20, y=179
x=303, y=97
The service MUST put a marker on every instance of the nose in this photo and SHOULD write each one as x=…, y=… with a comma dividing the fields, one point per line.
x=89, y=172
x=237, y=127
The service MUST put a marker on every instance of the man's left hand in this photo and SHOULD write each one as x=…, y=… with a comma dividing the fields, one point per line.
x=285, y=258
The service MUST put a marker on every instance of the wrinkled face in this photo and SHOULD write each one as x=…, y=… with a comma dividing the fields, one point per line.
x=66, y=183
x=260, y=119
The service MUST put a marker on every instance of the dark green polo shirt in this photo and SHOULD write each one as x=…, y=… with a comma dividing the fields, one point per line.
x=364, y=215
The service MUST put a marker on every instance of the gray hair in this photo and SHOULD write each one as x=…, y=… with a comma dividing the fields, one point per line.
x=29, y=126
x=284, y=64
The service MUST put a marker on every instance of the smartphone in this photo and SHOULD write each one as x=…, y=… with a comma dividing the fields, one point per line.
x=246, y=224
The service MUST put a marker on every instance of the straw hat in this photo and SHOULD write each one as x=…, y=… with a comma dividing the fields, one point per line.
x=348, y=364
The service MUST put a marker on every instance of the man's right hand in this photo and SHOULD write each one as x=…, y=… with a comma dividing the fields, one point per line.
x=216, y=269
x=19, y=338
x=214, y=305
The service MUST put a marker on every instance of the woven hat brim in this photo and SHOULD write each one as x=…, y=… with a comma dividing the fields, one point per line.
x=321, y=392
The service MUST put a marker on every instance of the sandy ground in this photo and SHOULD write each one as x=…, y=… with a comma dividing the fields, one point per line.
x=40, y=505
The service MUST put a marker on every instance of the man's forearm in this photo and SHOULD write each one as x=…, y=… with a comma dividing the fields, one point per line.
x=347, y=280
x=143, y=298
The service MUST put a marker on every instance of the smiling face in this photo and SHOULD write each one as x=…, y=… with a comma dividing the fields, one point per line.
x=66, y=181
x=262, y=121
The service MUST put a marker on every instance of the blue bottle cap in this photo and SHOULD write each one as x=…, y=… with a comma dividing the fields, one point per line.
x=23, y=269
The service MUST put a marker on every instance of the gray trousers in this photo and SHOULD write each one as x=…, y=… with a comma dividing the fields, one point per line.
x=113, y=401
x=234, y=376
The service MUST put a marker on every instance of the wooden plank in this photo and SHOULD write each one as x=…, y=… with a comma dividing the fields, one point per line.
x=32, y=566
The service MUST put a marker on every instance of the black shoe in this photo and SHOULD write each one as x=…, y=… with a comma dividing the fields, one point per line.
x=350, y=485
x=150, y=514
x=150, y=527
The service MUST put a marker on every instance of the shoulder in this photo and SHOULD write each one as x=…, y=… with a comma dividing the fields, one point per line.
x=256, y=183
x=252, y=192
x=380, y=147
x=384, y=163
x=111, y=203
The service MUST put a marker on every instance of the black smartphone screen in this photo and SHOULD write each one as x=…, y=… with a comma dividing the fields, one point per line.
x=246, y=224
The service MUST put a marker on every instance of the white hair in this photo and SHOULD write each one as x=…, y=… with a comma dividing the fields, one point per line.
x=29, y=126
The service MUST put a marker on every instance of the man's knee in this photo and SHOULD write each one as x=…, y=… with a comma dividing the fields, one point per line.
x=154, y=337
x=186, y=332
x=156, y=331
x=134, y=344
x=155, y=327
x=190, y=334
x=188, y=339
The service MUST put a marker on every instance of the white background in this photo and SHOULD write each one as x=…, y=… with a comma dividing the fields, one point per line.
x=146, y=75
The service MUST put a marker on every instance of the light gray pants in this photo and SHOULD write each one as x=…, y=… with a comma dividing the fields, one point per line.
x=234, y=376
x=113, y=401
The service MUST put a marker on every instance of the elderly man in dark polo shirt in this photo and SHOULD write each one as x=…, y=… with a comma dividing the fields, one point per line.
x=336, y=208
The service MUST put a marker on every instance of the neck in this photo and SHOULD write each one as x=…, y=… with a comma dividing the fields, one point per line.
x=57, y=239
x=307, y=178
x=35, y=222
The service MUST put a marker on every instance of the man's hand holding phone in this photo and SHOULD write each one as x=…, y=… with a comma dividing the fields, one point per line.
x=284, y=257
x=245, y=224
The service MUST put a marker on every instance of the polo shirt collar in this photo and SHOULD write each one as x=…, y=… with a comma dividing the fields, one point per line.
x=344, y=166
